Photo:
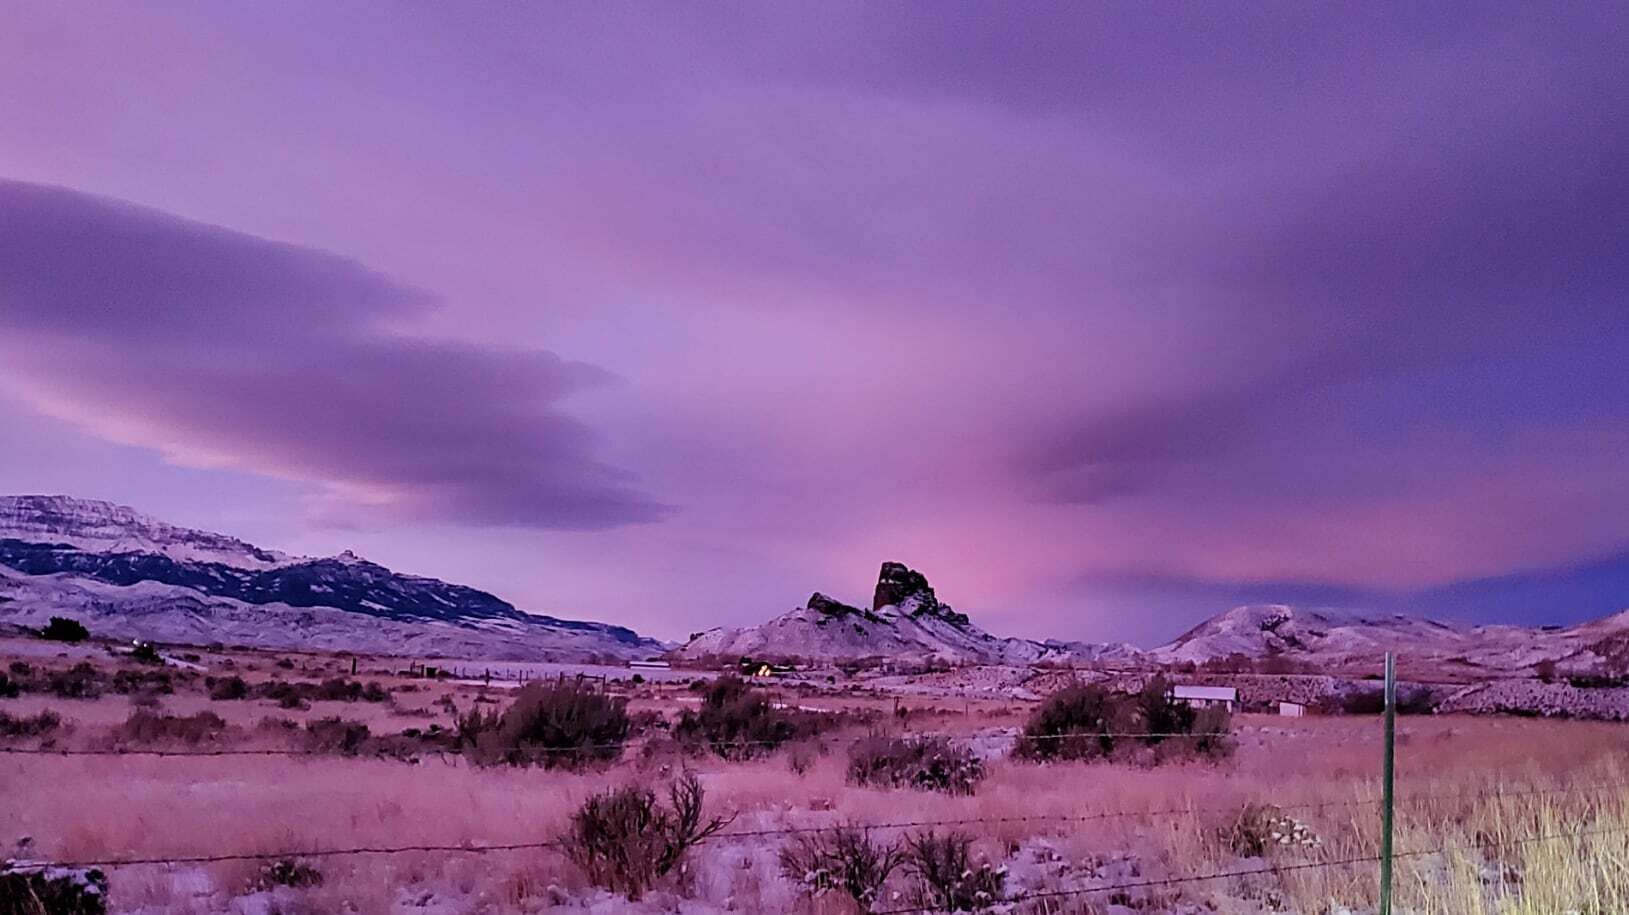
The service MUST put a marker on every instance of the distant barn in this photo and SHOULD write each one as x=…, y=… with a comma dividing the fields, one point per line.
x=650, y=665
x=1206, y=696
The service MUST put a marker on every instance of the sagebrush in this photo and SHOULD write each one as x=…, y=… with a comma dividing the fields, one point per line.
x=626, y=839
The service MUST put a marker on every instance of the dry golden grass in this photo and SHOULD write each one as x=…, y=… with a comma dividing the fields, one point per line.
x=1468, y=785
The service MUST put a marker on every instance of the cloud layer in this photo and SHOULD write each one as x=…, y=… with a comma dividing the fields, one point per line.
x=1096, y=314
x=222, y=349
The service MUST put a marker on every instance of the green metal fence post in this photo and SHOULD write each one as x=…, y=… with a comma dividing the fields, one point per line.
x=1386, y=776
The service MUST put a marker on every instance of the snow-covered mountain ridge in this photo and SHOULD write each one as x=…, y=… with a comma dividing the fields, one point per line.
x=104, y=527
x=143, y=578
x=1328, y=638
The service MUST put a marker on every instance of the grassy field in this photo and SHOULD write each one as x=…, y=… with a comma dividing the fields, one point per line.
x=1477, y=793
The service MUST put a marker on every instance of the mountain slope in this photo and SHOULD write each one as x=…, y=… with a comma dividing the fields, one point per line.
x=906, y=622
x=142, y=578
x=1330, y=637
x=104, y=527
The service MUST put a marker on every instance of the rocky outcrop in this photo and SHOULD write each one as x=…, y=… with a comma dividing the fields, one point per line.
x=908, y=593
x=897, y=582
x=834, y=609
x=907, y=622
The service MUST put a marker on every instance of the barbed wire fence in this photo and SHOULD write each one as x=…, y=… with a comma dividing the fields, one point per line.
x=1386, y=802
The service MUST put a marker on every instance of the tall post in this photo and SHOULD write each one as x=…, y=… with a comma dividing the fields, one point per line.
x=1386, y=774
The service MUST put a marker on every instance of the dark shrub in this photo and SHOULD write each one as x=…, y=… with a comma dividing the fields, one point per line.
x=739, y=722
x=1212, y=729
x=1416, y=700
x=1262, y=829
x=1410, y=701
x=1596, y=681
x=1077, y=722
x=33, y=890
x=337, y=689
x=923, y=763
x=841, y=860
x=82, y=681
x=468, y=728
x=145, y=653
x=62, y=629
x=286, y=695
x=283, y=727
x=555, y=723
x=1089, y=722
x=30, y=725
x=126, y=682
x=287, y=872
x=625, y=839
x=947, y=878
x=299, y=695
x=9, y=688
x=336, y=735
x=148, y=727
x=227, y=688
x=1159, y=713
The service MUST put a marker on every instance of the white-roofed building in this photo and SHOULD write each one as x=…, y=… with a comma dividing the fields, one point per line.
x=1206, y=696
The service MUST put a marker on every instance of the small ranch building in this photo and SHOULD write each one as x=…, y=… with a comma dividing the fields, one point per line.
x=1225, y=697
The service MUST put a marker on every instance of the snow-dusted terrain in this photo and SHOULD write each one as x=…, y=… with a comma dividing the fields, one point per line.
x=103, y=527
x=130, y=576
x=906, y=622
x=1329, y=638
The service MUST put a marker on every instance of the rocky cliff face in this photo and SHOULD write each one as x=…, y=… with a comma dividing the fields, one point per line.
x=907, y=592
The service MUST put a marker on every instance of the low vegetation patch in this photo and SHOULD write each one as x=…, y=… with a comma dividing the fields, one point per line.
x=140, y=680
x=555, y=723
x=45, y=890
x=150, y=727
x=300, y=694
x=225, y=689
x=289, y=872
x=1086, y=721
x=1263, y=828
x=946, y=876
x=336, y=735
x=29, y=725
x=1411, y=700
x=923, y=763
x=845, y=861
x=626, y=839
x=737, y=721
x=82, y=681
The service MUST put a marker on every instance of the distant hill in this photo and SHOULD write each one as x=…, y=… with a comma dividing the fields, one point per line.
x=128, y=575
x=905, y=621
x=1332, y=638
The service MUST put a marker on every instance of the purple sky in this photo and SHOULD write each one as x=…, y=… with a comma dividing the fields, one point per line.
x=1106, y=317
